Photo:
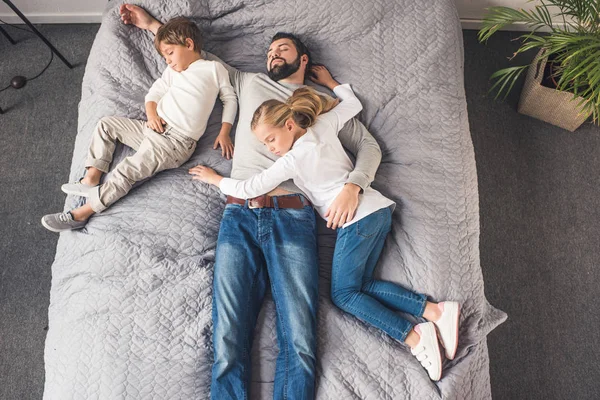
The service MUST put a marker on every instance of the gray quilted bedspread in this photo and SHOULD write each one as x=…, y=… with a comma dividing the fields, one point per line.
x=130, y=308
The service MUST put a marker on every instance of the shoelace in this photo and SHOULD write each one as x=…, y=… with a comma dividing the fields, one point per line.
x=65, y=217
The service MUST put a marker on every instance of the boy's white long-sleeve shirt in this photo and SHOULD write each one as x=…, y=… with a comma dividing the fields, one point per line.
x=317, y=163
x=186, y=99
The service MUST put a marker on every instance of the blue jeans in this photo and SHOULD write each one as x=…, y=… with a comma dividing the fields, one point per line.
x=254, y=245
x=353, y=288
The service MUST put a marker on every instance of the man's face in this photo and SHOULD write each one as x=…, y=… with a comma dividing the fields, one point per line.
x=177, y=56
x=282, y=59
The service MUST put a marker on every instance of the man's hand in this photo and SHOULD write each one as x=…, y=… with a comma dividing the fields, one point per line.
x=156, y=123
x=320, y=75
x=343, y=208
x=205, y=174
x=134, y=15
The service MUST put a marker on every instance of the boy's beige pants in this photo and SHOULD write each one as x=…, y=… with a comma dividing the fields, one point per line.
x=154, y=152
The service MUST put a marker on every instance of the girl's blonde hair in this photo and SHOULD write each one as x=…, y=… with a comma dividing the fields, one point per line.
x=303, y=107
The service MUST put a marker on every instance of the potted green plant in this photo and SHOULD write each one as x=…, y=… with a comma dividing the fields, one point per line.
x=568, y=54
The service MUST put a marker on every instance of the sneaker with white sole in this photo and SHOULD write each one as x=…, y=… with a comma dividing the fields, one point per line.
x=60, y=222
x=77, y=188
x=428, y=350
x=448, y=327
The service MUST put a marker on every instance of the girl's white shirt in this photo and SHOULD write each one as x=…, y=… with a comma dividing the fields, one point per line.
x=317, y=163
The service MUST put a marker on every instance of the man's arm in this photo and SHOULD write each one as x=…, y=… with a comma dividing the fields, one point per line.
x=354, y=137
x=357, y=139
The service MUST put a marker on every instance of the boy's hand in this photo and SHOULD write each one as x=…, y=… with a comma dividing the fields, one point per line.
x=205, y=174
x=344, y=207
x=224, y=141
x=156, y=123
x=320, y=75
x=134, y=15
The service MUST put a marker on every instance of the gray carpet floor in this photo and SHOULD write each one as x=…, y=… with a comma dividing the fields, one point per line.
x=539, y=200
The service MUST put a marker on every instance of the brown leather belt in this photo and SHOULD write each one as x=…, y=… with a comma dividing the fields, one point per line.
x=265, y=201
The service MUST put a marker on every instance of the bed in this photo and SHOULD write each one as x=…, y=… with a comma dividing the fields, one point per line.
x=130, y=306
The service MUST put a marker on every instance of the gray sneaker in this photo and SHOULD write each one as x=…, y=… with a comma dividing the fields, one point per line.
x=77, y=188
x=60, y=222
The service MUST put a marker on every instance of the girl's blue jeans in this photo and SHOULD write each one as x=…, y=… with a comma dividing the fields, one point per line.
x=353, y=288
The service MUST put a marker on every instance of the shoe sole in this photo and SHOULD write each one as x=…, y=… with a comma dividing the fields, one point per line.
x=49, y=227
x=439, y=355
x=76, y=193
x=45, y=225
x=455, y=347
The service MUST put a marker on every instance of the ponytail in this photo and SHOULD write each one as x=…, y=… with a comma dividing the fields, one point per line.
x=304, y=106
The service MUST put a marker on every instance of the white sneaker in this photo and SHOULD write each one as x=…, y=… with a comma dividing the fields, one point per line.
x=77, y=188
x=448, y=327
x=428, y=351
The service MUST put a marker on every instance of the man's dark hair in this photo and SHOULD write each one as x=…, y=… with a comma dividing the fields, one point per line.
x=300, y=48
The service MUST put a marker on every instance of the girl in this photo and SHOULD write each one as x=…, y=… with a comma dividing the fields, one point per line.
x=303, y=131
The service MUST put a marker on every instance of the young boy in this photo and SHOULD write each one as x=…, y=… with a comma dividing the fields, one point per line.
x=177, y=107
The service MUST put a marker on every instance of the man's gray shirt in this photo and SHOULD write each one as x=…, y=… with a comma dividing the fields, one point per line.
x=251, y=157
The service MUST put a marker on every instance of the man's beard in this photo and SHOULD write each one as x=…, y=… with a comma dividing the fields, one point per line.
x=282, y=71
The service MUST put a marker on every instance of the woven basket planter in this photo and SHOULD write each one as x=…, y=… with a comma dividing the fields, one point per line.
x=550, y=105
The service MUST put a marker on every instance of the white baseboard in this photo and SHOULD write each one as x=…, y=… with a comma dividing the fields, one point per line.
x=468, y=23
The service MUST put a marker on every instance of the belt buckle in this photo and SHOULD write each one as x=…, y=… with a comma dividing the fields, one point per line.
x=251, y=204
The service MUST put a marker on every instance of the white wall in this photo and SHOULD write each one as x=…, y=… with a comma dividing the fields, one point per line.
x=471, y=11
x=55, y=11
x=71, y=11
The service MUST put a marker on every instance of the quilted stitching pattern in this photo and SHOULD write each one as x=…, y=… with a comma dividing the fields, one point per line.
x=130, y=312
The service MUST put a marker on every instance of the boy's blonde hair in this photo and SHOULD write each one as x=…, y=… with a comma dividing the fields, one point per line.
x=176, y=30
x=303, y=107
